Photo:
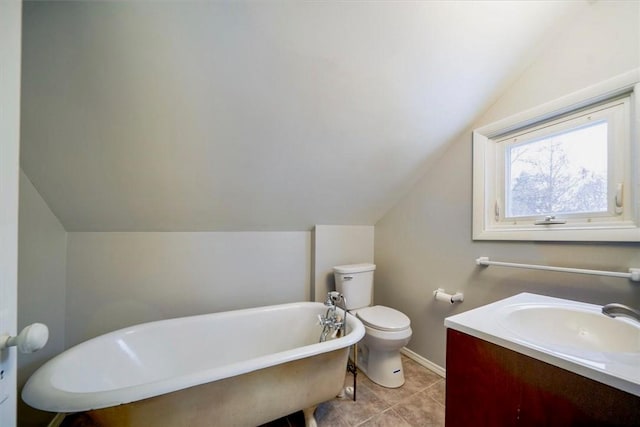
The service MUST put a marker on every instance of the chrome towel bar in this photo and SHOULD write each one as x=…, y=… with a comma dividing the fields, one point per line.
x=633, y=274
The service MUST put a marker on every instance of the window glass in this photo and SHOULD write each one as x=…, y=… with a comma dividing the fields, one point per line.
x=558, y=174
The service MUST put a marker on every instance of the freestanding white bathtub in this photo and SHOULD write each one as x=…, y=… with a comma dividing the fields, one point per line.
x=236, y=368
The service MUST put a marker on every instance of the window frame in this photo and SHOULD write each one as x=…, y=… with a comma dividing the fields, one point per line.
x=489, y=180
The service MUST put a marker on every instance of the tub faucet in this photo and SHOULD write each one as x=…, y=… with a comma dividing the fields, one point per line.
x=620, y=310
x=331, y=322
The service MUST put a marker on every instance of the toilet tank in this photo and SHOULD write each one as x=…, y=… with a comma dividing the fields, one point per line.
x=355, y=283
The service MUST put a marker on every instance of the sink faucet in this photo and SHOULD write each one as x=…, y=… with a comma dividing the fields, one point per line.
x=620, y=310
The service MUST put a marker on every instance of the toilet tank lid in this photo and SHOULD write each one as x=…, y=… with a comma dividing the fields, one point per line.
x=384, y=318
x=354, y=268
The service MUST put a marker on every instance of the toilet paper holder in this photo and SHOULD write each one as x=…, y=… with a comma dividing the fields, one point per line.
x=440, y=295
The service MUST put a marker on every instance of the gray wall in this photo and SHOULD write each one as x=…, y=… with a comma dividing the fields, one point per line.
x=42, y=252
x=253, y=115
x=338, y=245
x=120, y=279
x=425, y=243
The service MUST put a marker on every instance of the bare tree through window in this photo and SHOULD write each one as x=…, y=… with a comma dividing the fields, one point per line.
x=561, y=174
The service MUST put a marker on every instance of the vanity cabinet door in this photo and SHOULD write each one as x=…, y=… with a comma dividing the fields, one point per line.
x=491, y=386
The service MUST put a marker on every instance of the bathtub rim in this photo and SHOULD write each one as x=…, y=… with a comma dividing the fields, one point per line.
x=40, y=393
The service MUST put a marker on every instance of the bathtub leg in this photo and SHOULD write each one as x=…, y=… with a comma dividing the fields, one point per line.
x=346, y=392
x=309, y=419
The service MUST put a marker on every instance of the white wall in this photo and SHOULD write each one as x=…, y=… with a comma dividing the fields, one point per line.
x=10, y=41
x=42, y=252
x=424, y=242
x=120, y=279
x=338, y=245
x=253, y=115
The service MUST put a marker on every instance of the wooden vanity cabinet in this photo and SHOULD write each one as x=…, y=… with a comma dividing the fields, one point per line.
x=492, y=386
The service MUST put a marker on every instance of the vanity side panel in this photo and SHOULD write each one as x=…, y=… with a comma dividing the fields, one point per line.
x=480, y=391
x=488, y=385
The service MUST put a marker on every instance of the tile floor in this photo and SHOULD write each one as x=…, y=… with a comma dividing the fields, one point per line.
x=418, y=403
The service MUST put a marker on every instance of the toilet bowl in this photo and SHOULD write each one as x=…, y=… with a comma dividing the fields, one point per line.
x=386, y=330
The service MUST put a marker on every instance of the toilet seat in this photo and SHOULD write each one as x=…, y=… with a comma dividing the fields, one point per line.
x=383, y=318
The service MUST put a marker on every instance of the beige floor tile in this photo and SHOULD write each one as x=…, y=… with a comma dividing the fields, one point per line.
x=420, y=410
x=437, y=391
x=391, y=396
x=328, y=416
x=388, y=418
x=418, y=375
x=366, y=406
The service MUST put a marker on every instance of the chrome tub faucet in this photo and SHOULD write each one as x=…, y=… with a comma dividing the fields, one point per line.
x=332, y=323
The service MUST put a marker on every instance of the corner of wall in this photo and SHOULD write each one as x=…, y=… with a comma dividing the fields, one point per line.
x=42, y=259
x=336, y=245
x=312, y=278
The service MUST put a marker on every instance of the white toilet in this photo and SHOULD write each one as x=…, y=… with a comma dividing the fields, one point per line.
x=387, y=330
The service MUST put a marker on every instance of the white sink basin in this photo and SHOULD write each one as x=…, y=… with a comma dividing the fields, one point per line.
x=572, y=335
x=571, y=329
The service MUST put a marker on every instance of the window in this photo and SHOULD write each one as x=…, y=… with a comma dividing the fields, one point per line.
x=559, y=173
x=566, y=171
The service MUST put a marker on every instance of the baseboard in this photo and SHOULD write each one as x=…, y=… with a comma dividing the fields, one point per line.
x=57, y=420
x=424, y=362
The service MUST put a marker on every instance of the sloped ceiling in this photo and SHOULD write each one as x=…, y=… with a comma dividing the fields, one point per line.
x=196, y=116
